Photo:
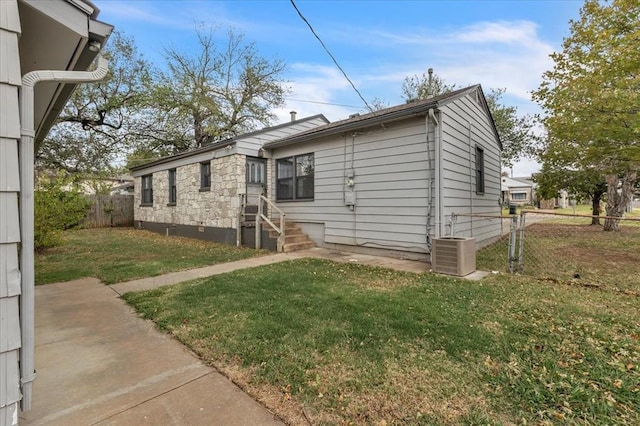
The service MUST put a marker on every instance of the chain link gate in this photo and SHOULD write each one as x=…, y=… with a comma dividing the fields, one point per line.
x=512, y=236
x=556, y=246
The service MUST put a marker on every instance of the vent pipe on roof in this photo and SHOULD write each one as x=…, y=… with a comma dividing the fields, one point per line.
x=293, y=115
x=430, y=92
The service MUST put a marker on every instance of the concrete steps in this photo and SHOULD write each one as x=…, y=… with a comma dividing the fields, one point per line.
x=294, y=238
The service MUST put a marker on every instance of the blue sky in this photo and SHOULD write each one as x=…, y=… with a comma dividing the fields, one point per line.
x=502, y=44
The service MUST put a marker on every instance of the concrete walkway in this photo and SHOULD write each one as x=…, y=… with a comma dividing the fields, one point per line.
x=223, y=268
x=98, y=363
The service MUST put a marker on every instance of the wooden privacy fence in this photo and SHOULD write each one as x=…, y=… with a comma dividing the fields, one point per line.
x=109, y=210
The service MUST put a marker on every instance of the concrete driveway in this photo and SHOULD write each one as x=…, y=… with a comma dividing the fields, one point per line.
x=99, y=364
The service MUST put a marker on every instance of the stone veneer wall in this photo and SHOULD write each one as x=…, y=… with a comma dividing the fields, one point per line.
x=215, y=208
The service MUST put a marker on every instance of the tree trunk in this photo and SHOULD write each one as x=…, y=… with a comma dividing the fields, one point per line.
x=617, y=198
x=595, y=207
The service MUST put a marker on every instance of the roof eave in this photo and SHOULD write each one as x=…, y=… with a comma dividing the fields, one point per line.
x=170, y=158
x=347, y=127
x=372, y=120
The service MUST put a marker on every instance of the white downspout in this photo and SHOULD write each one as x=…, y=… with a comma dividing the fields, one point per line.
x=429, y=180
x=436, y=167
x=27, y=298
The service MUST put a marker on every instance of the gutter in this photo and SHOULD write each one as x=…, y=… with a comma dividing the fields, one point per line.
x=27, y=298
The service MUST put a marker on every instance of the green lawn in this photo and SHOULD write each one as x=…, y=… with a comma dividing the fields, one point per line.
x=345, y=343
x=121, y=254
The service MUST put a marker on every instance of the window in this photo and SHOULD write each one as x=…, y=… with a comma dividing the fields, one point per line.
x=205, y=176
x=479, y=170
x=255, y=171
x=304, y=176
x=173, y=195
x=294, y=178
x=147, y=189
x=519, y=196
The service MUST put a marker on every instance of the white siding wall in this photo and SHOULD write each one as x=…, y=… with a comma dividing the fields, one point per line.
x=390, y=169
x=9, y=228
x=466, y=125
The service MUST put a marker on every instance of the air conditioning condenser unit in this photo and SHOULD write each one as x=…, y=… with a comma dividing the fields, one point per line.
x=454, y=255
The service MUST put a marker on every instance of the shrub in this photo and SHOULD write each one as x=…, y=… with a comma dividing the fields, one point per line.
x=59, y=205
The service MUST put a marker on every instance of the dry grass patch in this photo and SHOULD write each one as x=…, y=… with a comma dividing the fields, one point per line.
x=575, y=252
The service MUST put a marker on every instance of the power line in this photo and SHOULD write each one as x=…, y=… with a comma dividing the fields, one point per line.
x=322, y=103
x=331, y=55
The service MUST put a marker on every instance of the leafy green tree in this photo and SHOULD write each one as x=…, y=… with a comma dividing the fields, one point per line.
x=222, y=90
x=592, y=99
x=104, y=119
x=583, y=183
x=515, y=131
x=425, y=86
x=58, y=205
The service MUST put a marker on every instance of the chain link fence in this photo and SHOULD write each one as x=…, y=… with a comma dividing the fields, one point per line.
x=562, y=248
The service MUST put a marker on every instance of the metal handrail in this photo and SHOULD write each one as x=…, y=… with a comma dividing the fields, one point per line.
x=260, y=216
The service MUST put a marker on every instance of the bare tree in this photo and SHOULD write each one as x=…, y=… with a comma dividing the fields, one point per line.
x=223, y=90
x=101, y=120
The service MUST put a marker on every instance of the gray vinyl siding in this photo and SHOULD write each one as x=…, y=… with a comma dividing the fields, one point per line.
x=465, y=125
x=250, y=144
x=390, y=168
x=10, y=341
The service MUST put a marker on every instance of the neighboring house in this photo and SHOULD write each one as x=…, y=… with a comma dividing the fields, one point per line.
x=120, y=185
x=519, y=191
x=126, y=188
x=390, y=180
x=34, y=35
x=559, y=202
x=200, y=193
x=103, y=185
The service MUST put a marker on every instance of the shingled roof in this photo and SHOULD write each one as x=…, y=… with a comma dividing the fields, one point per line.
x=221, y=144
x=357, y=121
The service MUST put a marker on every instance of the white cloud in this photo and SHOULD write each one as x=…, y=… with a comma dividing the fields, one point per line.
x=505, y=32
x=172, y=15
x=131, y=11
x=500, y=54
x=316, y=89
x=525, y=168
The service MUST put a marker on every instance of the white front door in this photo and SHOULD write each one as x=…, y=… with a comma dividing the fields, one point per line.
x=256, y=179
